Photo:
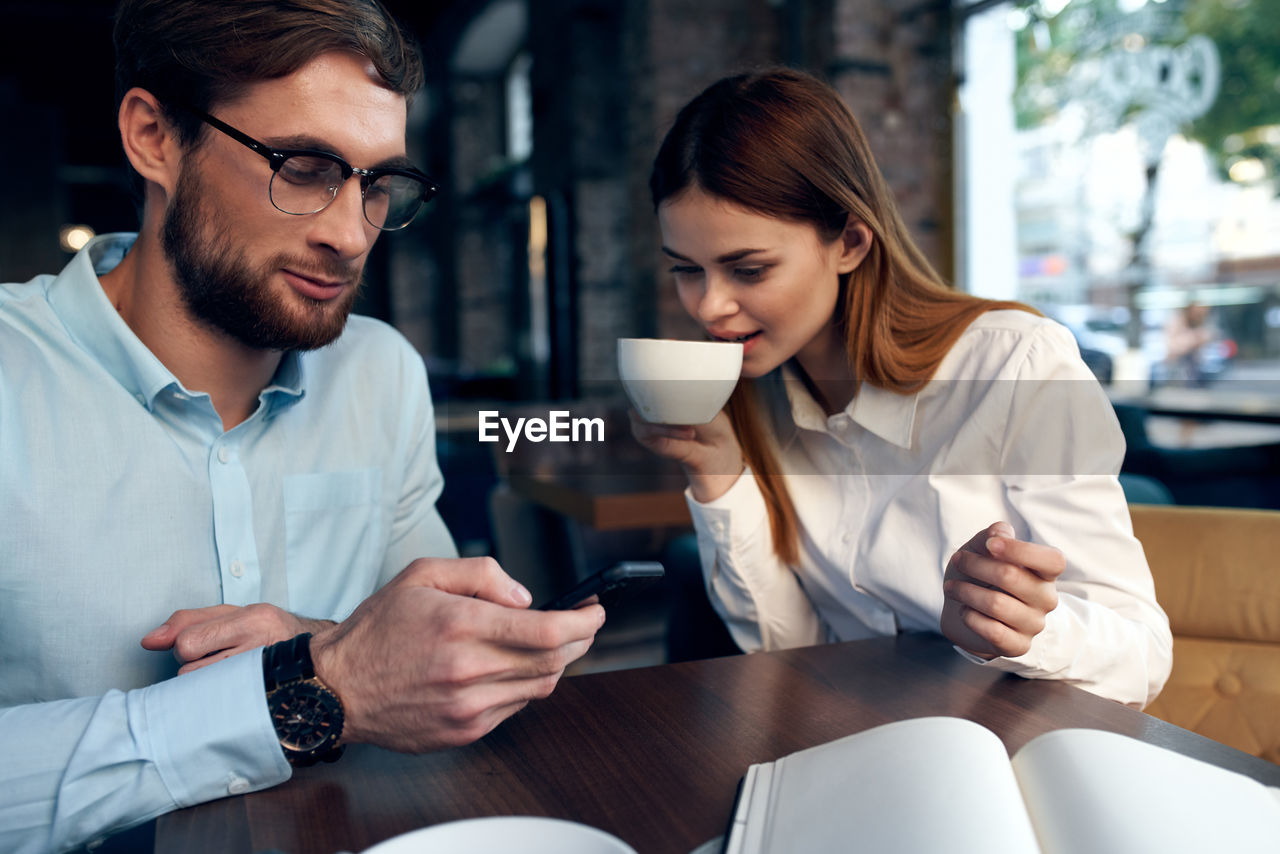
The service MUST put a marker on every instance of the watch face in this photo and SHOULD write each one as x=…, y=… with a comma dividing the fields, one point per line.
x=306, y=716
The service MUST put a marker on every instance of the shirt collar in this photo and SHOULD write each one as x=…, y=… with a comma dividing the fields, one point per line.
x=887, y=414
x=90, y=318
x=288, y=386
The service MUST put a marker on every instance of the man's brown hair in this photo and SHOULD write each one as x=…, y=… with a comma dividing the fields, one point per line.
x=199, y=53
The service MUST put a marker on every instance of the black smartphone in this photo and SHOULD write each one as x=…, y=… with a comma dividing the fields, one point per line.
x=630, y=575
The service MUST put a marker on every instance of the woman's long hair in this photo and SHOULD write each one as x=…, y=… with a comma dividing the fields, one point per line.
x=782, y=143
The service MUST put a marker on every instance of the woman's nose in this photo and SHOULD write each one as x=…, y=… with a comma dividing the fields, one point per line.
x=717, y=301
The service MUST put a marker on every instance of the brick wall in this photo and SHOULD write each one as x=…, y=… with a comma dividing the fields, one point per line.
x=891, y=64
x=607, y=80
x=691, y=45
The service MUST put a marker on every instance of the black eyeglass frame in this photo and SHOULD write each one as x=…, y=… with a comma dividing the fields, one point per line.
x=276, y=157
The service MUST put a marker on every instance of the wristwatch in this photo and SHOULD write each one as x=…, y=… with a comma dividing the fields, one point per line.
x=307, y=715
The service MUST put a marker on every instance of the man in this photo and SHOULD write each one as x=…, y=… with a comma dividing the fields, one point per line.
x=202, y=453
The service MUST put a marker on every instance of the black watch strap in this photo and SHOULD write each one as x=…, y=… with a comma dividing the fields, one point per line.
x=288, y=661
x=289, y=677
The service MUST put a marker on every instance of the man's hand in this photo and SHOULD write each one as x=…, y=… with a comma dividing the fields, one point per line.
x=998, y=591
x=444, y=653
x=201, y=636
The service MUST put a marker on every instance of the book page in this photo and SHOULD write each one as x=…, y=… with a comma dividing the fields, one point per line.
x=1095, y=792
x=918, y=786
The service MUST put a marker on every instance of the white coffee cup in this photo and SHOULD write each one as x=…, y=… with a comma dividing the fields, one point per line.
x=678, y=382
x=525, y=834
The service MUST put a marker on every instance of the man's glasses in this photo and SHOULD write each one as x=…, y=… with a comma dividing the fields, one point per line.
x=304, y=181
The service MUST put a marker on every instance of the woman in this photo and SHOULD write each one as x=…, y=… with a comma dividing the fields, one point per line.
x=884, y=418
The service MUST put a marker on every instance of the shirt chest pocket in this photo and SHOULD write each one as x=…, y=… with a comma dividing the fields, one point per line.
x=333, y=540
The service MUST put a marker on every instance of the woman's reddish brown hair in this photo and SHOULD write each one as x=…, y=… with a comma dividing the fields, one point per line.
x=782, y=143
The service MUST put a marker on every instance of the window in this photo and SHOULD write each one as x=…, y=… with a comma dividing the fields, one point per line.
x=1146, y=138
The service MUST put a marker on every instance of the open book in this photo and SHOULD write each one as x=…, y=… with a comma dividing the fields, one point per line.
x=946, y=784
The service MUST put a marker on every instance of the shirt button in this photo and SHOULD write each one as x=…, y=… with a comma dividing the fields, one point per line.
x=846, y=537
x=223, y=454
x=237, y=785
x=236, y=568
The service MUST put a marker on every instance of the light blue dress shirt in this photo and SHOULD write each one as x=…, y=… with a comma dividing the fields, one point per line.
x=122, y=500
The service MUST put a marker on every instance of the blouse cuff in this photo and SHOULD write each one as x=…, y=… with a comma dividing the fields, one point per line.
x=733, y=518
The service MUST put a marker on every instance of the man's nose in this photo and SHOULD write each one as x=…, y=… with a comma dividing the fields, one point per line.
x=341, y=227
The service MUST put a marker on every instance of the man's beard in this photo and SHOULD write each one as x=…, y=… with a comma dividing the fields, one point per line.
x=223, y=292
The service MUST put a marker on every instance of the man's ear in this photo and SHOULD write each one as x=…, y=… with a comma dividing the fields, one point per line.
x=855, y=243
x=149, y=140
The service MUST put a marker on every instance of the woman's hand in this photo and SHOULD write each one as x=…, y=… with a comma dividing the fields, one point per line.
x=709, y=452
x=997, y=592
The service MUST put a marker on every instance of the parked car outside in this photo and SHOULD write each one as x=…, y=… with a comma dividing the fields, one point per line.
x=1102, y=335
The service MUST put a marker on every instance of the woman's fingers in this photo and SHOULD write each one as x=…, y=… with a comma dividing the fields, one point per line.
x=998, y=605
x=1045, y=561
x=1000, y=637
x=1025, y=584
x=998, y=591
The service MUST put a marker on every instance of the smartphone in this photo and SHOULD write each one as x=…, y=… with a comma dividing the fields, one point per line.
x=629, y=575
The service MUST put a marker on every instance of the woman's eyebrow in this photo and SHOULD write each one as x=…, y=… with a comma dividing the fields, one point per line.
x=738, y=255
x=674, y=254
x=726, y=258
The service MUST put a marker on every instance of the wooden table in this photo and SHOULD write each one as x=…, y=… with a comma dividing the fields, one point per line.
x=609, y=485
x=610, y=501
x=654, y=755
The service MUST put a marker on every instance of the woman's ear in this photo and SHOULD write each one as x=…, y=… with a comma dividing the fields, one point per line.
x=149, y=139
x=855, y=243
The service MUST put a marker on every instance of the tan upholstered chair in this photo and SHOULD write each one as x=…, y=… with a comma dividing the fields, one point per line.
x=1217, y=574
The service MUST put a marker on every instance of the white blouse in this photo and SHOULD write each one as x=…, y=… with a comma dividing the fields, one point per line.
x=1013, y=427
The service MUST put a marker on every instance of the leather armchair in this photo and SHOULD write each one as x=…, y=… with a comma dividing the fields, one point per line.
x=1217, y=575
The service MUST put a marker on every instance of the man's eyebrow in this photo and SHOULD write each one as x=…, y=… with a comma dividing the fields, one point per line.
x=398, y=162
x=726, y=258
x=311, y=143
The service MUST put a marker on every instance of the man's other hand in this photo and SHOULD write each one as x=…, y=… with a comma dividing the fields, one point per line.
x=201, y=636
